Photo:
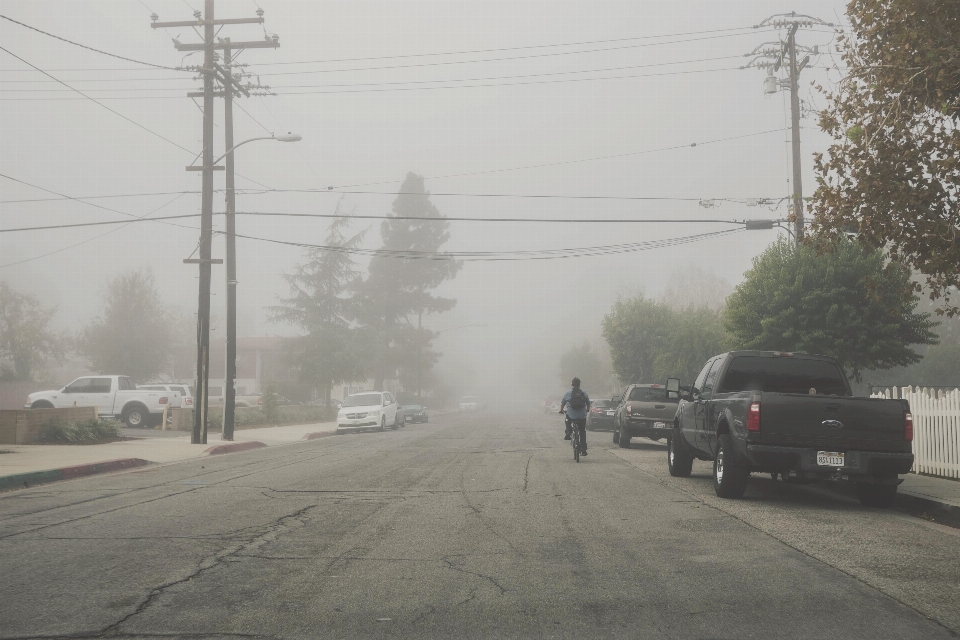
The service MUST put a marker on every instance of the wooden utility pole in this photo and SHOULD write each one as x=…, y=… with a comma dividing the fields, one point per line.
x=795, y=114
x=230, y=370
x=212, y=71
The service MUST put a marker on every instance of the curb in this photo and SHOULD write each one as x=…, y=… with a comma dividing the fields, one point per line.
x=26, y=480
x=318, y=434
x=233, y=448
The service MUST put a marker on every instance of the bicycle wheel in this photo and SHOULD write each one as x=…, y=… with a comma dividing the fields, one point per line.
x=576, y=443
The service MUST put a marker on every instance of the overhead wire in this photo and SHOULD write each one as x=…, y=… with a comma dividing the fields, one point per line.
x=83, y=46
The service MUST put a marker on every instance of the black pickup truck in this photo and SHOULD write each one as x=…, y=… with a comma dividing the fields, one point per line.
x=792, y=415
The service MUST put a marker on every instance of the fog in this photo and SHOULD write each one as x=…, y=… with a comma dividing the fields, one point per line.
x=657, y=127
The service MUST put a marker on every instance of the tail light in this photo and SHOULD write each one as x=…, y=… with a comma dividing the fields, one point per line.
x=260, y=400
x=163, y=399
x=188, y=402
x=596, y=410
x=907, y=426
x=629, y=409
x=753, y=417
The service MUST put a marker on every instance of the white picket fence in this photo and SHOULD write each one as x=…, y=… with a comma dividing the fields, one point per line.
x=936, y=428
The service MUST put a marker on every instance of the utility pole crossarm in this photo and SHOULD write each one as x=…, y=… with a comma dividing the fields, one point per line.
x=200, y=23
x=272, y=43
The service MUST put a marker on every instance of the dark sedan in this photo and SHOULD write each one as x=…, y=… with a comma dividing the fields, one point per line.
x=600, y=416
x=415, y=413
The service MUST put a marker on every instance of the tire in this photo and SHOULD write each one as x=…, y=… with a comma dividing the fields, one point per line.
x=616, y=434
x=679, y=459
x=396, y=421
x=623, y=439
x=876, y=495
x=42, y=404
x=729, y=472
x=383, y=423
x=136, y=417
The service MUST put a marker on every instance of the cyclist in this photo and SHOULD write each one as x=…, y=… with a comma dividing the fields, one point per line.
x=577, y=403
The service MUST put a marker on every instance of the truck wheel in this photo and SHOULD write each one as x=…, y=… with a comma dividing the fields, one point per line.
x=42, y=404
x=679, y=460
x=876, y=495
x=135, y=417
x=383, y=423
x=616, y=435
x=396, y=421
x=624, y=439
x=729, y=473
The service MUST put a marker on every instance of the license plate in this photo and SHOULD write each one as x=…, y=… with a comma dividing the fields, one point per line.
x=659, y=425
x=609, y=413
x=829, y=459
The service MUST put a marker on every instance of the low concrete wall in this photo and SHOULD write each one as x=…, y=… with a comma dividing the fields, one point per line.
x=23, y=426
x=180, y=420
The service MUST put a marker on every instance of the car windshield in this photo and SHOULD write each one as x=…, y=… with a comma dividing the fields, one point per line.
x=468, y=399
x=647, y=394
x=783, y=375
x=411, y=407
x=362, y=400
x=602, y=404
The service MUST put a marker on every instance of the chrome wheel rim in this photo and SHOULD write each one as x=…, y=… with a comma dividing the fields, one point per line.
x=720, y=466
x=135, y=418
x=671, y=453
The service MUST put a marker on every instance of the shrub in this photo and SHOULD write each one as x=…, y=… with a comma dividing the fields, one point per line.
x=65, y=432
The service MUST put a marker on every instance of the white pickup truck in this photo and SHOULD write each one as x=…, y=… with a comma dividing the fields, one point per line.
x=113, y=396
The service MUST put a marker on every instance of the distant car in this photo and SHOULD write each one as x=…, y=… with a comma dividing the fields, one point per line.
x=415, y=413
x=469, y=403
x=320, y=402
x=369, y=410
x=601, y=415
x=185, y=391
x=644, y=411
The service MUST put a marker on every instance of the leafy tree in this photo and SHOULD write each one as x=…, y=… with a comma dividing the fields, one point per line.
x=839, y=299
x=585, y=363
x=320, y=303
x=650, y=341
x=400, y=281
x=893, y=174
x=26, y=339
x=131, y=336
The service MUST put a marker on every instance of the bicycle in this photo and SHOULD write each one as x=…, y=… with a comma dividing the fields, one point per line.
x=575, y=439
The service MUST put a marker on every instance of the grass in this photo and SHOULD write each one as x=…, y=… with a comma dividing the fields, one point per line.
x=85, y=432
x=283, y=415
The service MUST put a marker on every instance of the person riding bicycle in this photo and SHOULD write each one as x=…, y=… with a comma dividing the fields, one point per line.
x=577, y=403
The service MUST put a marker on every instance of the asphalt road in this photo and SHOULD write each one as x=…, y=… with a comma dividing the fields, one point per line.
x=471, y=526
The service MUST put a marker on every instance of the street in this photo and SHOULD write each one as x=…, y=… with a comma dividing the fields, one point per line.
x=471, y=526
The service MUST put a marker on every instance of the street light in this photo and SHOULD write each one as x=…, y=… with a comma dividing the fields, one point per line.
x=230, y=372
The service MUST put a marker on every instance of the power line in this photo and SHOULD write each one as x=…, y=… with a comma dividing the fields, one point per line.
x=535, y=46
x=101, y=223
x=61, y=250
x=83, y=46
x=506, y=256
x=151, y=132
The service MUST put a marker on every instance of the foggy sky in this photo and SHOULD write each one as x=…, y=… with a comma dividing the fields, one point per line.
x=533, y=309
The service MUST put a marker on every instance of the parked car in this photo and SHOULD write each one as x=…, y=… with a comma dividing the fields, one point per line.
x=113, y=396
x=240, y=400
x=469, y=403
x=415, y=413
x=643, y=411
x=791, y=415
x=601, y=414
x=321, y=402
x=369, y=410
x=185, y=391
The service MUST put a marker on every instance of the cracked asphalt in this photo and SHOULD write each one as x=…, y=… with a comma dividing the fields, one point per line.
x=471, y=526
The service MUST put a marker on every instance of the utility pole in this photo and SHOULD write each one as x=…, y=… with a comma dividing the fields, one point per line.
x=230, y=370
x=774, y=56
x=211, y=71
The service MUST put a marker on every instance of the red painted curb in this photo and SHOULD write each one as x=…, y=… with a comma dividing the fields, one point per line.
x=101, y=467
x=318, y=434
x=233, y=447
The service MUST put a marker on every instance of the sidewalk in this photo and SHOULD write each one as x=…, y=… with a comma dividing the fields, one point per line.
x=939, y=490
x=23, y=458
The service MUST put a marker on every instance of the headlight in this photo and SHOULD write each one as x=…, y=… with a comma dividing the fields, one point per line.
x=374, y=413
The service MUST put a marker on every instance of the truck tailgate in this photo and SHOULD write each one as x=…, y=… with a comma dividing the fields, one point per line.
x=833, y=423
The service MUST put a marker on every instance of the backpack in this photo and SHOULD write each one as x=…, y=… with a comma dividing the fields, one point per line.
x=578, y=399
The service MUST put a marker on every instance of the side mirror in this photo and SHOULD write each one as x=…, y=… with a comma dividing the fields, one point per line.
x=673, y=388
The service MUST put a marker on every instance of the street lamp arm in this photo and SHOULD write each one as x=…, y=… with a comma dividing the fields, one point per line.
x=285, y=138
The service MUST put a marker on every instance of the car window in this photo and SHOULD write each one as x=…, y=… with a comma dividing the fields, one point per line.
x=362, y=400
x=411, y=407
x=100, y=385
x=784, y=375
x=80, y=385
x=603, y=404
x=126, y=384
x=181, y=390
x=711, y=381
x=151, y=387
x=468, y=399
x=703, y=375
x=647, y=394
